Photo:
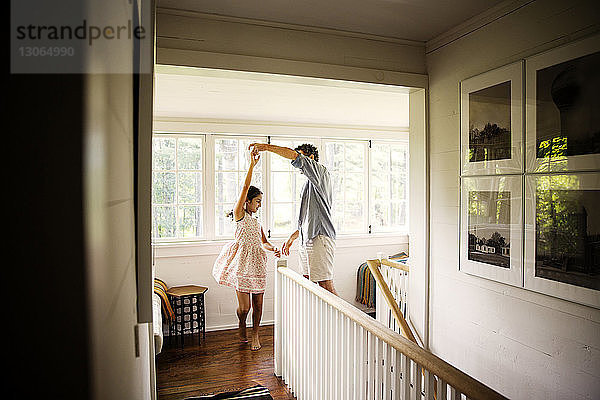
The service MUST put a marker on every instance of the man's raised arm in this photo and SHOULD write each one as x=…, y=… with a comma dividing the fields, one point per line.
x=284, y=152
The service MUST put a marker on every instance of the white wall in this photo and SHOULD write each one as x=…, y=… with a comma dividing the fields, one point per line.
x=186, y=264
x=523, y=344
x=201, y=40
x=118, y=370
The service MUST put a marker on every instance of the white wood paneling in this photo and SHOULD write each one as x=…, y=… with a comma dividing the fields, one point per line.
x=523, y=344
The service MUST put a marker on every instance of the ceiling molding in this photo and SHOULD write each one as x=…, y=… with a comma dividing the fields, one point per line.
x=288, y=26
x=475, y=23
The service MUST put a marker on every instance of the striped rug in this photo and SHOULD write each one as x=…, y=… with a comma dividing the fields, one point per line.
x=253, y=393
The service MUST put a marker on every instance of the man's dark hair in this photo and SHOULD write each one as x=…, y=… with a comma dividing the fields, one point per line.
x=308, y=150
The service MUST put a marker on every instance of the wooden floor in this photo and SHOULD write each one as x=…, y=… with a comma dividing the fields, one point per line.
x=221, y=363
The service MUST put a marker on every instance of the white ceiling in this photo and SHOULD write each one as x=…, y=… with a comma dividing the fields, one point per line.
x=419, y=20
x=200, y=93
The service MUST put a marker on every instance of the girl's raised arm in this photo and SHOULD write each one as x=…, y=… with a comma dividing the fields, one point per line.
x=238, y=209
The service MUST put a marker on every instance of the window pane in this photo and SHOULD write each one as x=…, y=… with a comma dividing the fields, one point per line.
x=163, y=221
x=226, y=185
x=380, y=158
x=282, y=186
x=380, y=186
x=171, y=187
x=335, y=156
x=283, y=215
x=163, y=153
x=163, y=187
x=388, y=186
x=189, y=153
x=399, y=156
x=353, y=217
x=226, y=151
x=354, y=187
x=224, y=225
x=337, y=183
x=355, y=157
x=190, y=187
x=380, y=216
x=398, y=214
x=190, y=221
x=398, y=187
x=346, y=164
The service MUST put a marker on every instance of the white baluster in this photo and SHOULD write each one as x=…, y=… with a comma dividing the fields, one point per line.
x=323, y=355
x=405, y=377
x=393, y=374
x=286, y=335
x=442, y=390
x=362, y=349
x=313, y=348
x=298, y=340
x=336, y=355
x=378, y=368
x=428, y=384
x=294, y=377
x=454, y=394
x=301, y=343
x=418, y=381
x=371, y=367
x=342, y=338
x=387, y=383
x=329, y=352
x=353, y=357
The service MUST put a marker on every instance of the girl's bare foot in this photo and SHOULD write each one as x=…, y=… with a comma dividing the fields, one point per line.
x=255, y=343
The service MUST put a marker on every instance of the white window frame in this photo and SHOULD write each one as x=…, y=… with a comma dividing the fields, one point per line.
x=366, y=170
x=263, y=163
x=407, y=188
x=209, y=176
x=176, y=203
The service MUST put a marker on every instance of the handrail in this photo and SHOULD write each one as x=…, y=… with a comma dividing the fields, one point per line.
x=395, y=264
x=389, y=298
x=467, y=385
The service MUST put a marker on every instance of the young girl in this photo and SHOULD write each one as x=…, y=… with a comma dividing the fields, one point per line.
x=242, y=262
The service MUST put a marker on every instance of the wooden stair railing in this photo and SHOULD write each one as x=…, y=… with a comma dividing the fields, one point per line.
x=387, y=294
x=327, y=349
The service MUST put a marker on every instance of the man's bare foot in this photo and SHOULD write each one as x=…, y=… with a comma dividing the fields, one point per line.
x=242, y=332
x=255, y=343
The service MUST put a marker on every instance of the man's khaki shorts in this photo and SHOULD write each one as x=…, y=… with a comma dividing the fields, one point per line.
x=316, y=258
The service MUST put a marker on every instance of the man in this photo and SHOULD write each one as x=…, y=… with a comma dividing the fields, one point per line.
x=315, y=227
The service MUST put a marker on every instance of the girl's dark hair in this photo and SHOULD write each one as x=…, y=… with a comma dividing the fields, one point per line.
x=253, y=191
x=308, y=150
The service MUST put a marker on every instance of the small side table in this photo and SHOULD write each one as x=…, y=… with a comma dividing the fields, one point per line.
x=188, y=306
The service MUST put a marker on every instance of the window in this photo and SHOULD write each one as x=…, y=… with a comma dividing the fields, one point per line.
x=177, y=187
x=389, y=177
x=197, y=179
x=345, y=160
x=231, y=166
x=286, y=188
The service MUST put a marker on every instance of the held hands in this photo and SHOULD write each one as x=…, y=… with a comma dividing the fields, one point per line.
x=254, y=157
x=258, y=147
x=277, y=252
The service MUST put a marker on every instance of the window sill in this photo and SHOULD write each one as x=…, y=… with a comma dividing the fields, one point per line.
x=213, y=247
